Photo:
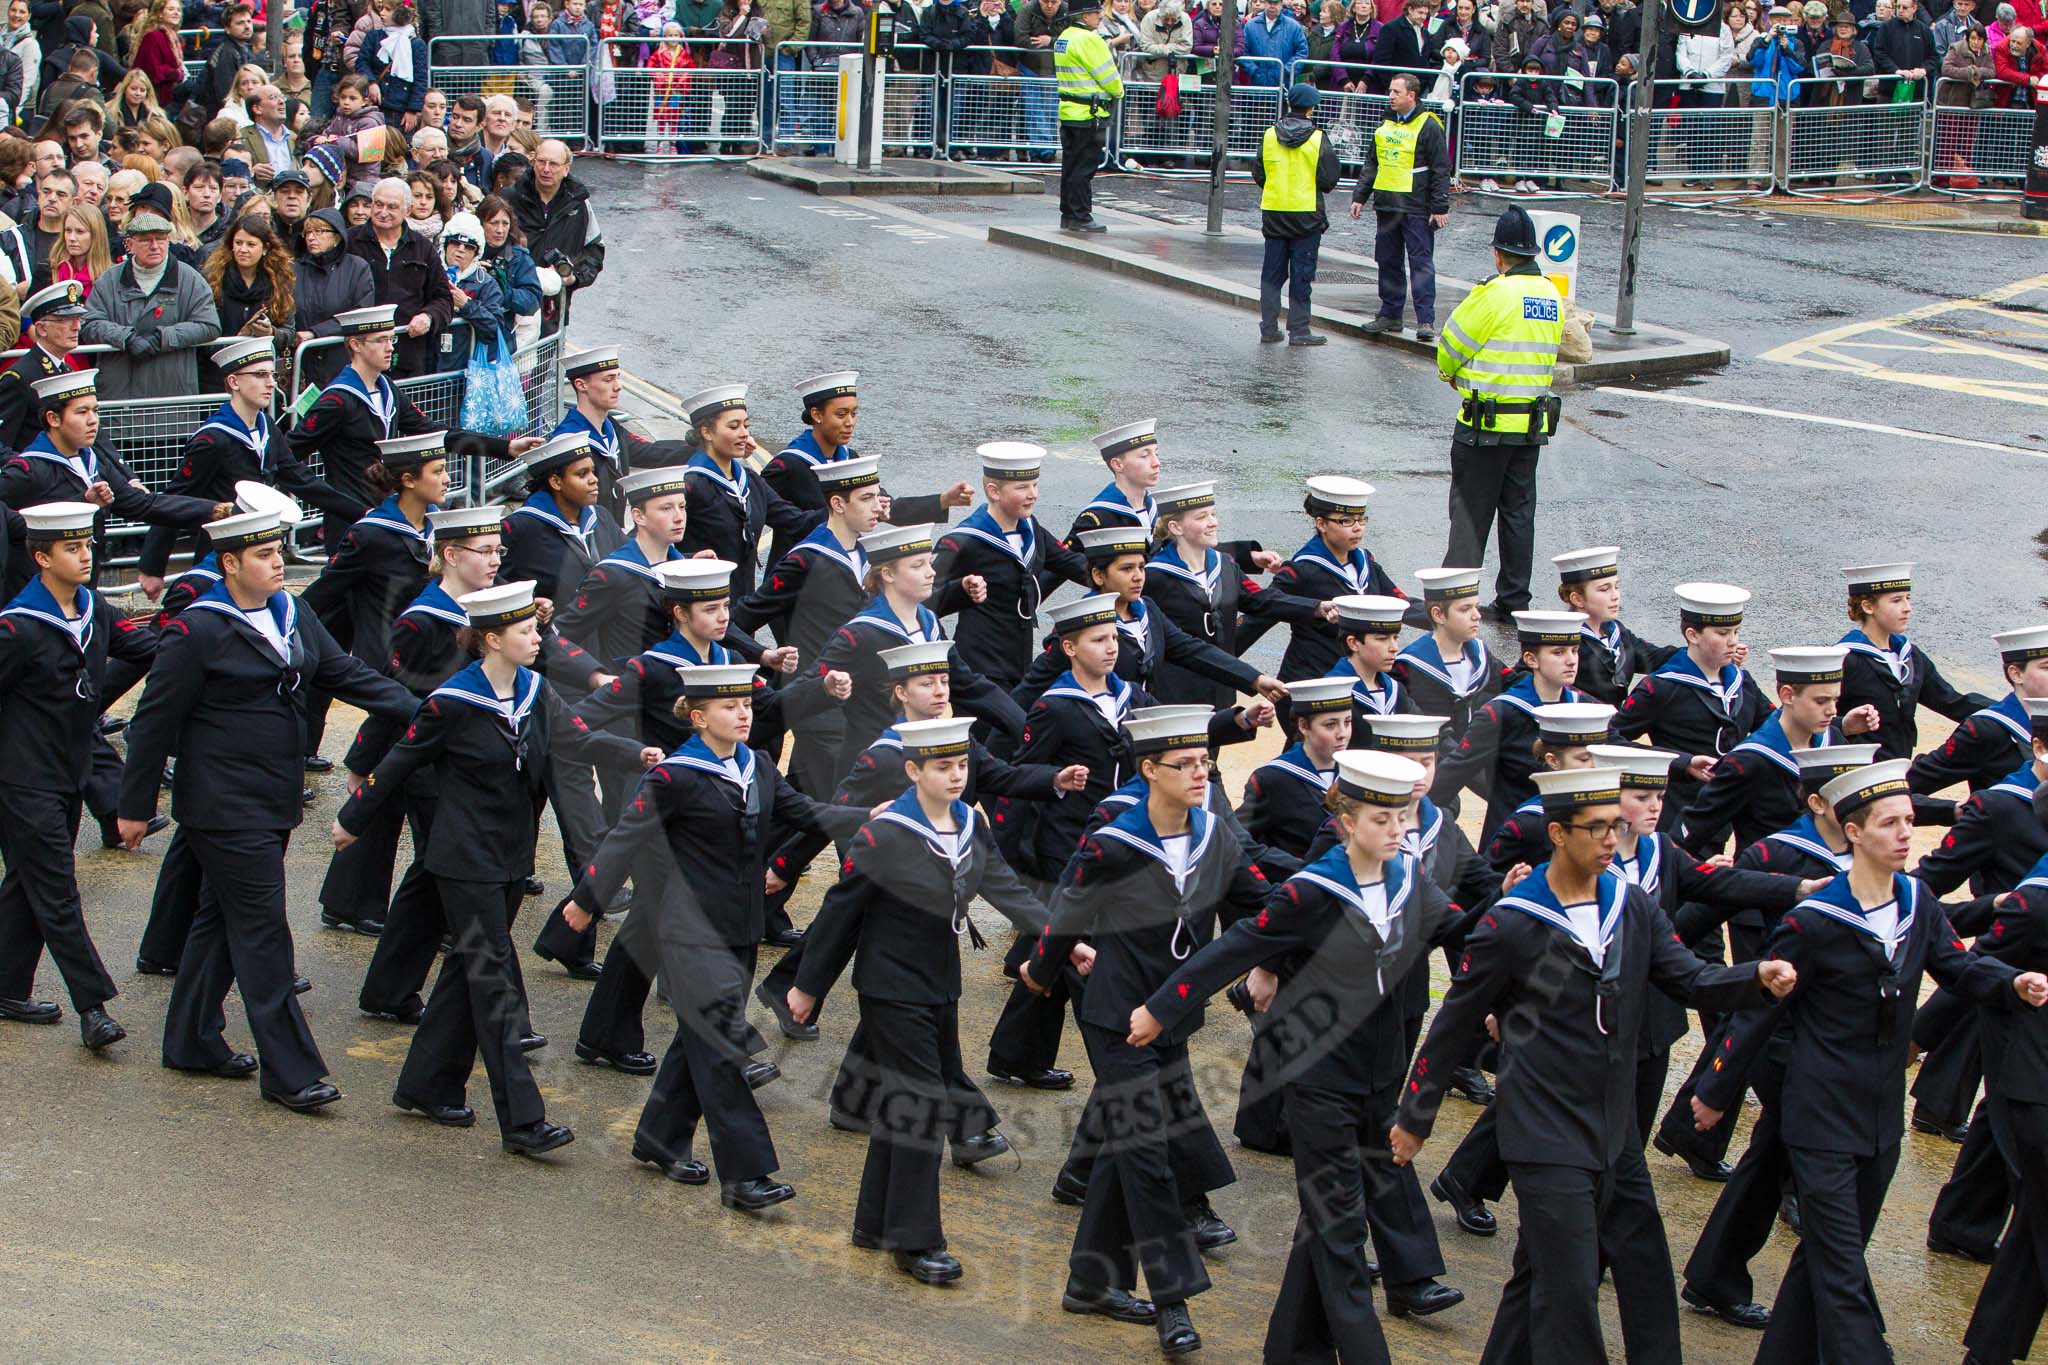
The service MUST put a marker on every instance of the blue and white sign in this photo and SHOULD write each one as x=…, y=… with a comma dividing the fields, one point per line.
x=1695, y=13
x=1557, y=242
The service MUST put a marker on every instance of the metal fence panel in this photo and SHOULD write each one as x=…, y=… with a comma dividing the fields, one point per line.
x=1497, y=139
x=1707, y=144
x=1007, y=113
x=1884, y=140
x=1253, y=109
x=1989, y=144
x=680, y=110
x=560, y=95
x=1349, y=117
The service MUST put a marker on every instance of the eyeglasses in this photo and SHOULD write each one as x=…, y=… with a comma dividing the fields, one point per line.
x=1184, y=765
x=1343, y=521
x=1600, y=829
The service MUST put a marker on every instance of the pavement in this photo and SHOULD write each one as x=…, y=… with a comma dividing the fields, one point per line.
x=890, y=175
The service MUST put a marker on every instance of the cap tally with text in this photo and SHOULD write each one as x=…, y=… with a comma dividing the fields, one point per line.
x=1872, y=580
x=706, y=404
x=924, y=739
x=643, y=485
x=460, y=523
x=501, y=604
x=1097, y=609
x=1538, y=628
x=1331, y=495
x=1710, y=604
x=845, y=476
x=1821, y=765
x=1573, y=724
x=1854, y=790
x=59, y=389
x=1565, y=790
x=1801, y=664
x=1105, y=543
x=1161, y=728
x=368, y=322
x=59, y=520
x=1319, y=696
x=242, y=352
x=926, y=656
x=1448, y=585
x=557, y=452
x=1407, y=734
x=1367, y=614
x=823, y=388
x=1010, y=461
x=245, y=529
x=695, y=580
x=2037, y=716
x=717, y=680
x=1583, y=566
x=1183, y=498
x=1127, y=438
x=896, y=542
x=591, y=361
x=253, y=496
x=2022, y=646
x=64, y=300
x=411, y=452
x=1378, y=779
x=1641, y=769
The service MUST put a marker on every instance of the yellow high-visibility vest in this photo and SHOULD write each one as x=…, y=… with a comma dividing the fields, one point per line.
x=1086, y=70
x=1393, y=146
x=1290, y=173
x=1501, y=343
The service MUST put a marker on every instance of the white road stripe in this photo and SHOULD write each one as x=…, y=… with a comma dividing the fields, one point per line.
x=1818, y=419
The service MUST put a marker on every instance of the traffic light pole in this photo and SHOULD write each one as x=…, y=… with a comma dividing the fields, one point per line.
x=1226, y=67
x=1640, y=107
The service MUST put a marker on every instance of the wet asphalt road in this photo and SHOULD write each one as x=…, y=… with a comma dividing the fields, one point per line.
x=149, y=1216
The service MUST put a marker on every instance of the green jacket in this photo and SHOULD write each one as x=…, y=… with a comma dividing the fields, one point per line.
x=789, y=21
x=697, y=16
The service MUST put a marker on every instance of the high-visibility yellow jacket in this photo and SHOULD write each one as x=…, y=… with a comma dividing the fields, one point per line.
x=1086, y=70
x=1501, y=343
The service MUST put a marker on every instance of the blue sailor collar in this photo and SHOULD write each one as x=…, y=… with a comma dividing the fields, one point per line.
x=982, y=525
x=1355, y=569
x=737, y=485
x=1680, y=668
x=2010, y=712
x=1898, y=647
x=386, y=516
x=434, y=601
x=543, y=507
x=1380, y=700
x=1608, y=637
x=282, y=606
x=695, y=753
x=1429, y=824
x=229, y=423
x=84, y=465
x=1138, y=622
x=1805, y=836
x=1533, y=897
x=1294, y=761
x=472, y=688
x=1770, y=741
x=1524, y=696
x=906, y=811
x=2021, y=783
x=806, y=448
x=677, y=652
x=36, y=602
x=1065, y=685
x=854, y=561
x=1167, y=560
x=878, y=613
x=382, y=400
x=633, y=559
x=206, y=567
x=1332, y=872
x=1424, y=654
x=1134, y=827
x=1837, y=902
x=2037, y=875
x=1645, y=868
x=603, y=439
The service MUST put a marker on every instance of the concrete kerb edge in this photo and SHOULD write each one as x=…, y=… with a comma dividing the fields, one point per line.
x=958, y=180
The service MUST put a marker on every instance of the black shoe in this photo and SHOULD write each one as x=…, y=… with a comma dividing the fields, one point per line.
x=845, y=1122
x=237, y=1065
x=778, y=1006
x=96, y=1030
x=315, y=763
x=1942, y=1246
x=581, y=971
x=536, y=1138
x=1753, y=1316
x=1471, y=1082
x=1425, y=332
x=146, y=966
x=1118, y=1305
x=1177, y=1334
x=751, y=1196
x=1925, y=1124
x=110, y=725
x=530, y=1041
x=1372, y=1272
x=1381, y=325
x=783, y=938
x=1271, y=338
x=1472, y=1213
x=368, y=927
x=1788, y=1214
x=307, y=795
x=1703, y=1168
x=304, y=1101
x=300, y=985
x=1210, y=1232
x=1069, y=1191
x=410, y=1013
x=1051, y=1078
x=447, y=1115
x=979, y=1148
x=632, y=1063
x=536, y=887
x=1420, y=1299
x=928, y=1267
x=758, y=1074
x=684, y=1170
x=31, y=1011
x=110, y=833
x=1305, y=339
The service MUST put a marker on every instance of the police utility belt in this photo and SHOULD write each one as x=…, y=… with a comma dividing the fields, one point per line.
x=1482, y=414
x=1094, y=102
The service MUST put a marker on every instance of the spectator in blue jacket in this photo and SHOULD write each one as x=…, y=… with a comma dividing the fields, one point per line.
x=395, y=59
x=1778, y=61
x=1275, y=36
x=573, y=20
x=511, y=265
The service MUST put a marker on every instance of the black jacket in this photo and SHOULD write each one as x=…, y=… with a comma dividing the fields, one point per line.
x=856, y=650
x=414, y=279
x=377, y=571
x=223, y=453
x=728, y=516
x=1610, y=662
x=1904, y=44
x=1316, y=645
x=811, y=592
x=1997, y=839
x=1431, y=190
x=322, y=286
x=52, y=689
x=2016, y=1040
x=1980, y=751
x=1146, y=644
x=994, y=635
x=1868, y=678
x=342, y=431
x=1211, y=614
x=40, y=476
x=561, y=227
x=1292, y=131
x=1678, y=711
x=1753, y=791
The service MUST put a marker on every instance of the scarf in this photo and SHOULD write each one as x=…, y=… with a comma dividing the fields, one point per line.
x=395, y=51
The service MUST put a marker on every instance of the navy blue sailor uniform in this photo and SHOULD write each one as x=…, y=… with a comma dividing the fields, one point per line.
x=1206, y=603
x=544, y=548
x=1147, y=642
x=612, y=449
x=1455, y=690
x=1020, y=568
x=793, y=474
x=1283, y=801
x=728, y=512
x=1981, y=750
x=1682, y=709
x=1314, y=645
x=1497, y=753
x=1898, y=678
x=1752, y=791
x=370, y=576
x=1383, y=696
x=1612, y=657
x=811, y=591
x=41, y=473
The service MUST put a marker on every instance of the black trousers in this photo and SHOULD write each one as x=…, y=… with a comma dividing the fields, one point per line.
x=1027, y=1033
x=700, y=1075
x=1133, y=1215
x=1081, y=144
x=1324, y=1310
x=413, y=926
x=1747, y=1205
x=614, y=1019
x=39, y=905
x=1972, y=1208
x=1826, y=1307
x=173, y=903
x=1573, y=1222
x=1489, y=482
x=478, y=1008
x=919, y=1106
x=240, y=938
x=1262, y=1099
x=1946, y=1029
x=1651, y=1072
x=358, y=881
x=1199, y=1162
x=2009, y=1308
x=1476, y=1163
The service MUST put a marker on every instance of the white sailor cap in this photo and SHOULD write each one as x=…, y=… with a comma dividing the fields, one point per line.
x=926, y=656
x=239, y=353
x=708, y=403
x=1094, y=610
x=557, y=452
x=1182, y=710
x=1854, y=790
x=1127, y=438
x=460, y=523
x=844, y=476
x=375, y=320
x=245, y=529
x=1710, y=604
x=1105, y=543
x=252, y=495
x=1871, y=580
x=1821, y=765
x=2037, y=715
x=1406, y=734
x=590, y=361
x=1376, y=778
x=1581, y=566
x=65, y=299
x=1797, y=665
x=1333, y=495
x=1183, y=498
x=1163, y=728
x=823, y=388
x=59, y=520
x=412, y=452
x=935, y=738
x=896, y=542
x=1313, y=696
x=1568, y=789
x=1574, y=724
x=1641, y=768
x=62, y=388
x=717, y=680
x=1538, y=628
x=695, y=580
x=642, y=485
x=1370, y=614
x=1448, y=585
x=1010, y=461
x=501, y=604
x=2019, y=646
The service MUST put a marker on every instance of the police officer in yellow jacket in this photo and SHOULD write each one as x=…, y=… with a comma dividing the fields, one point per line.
x=1407, y=175
x=1297, y=166
x=1497, y=350
x=1089, y=89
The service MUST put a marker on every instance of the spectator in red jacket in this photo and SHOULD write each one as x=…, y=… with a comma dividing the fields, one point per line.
x=2017, y=62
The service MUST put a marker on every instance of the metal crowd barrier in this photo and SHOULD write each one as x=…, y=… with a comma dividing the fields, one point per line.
x=1348, y=117
x=700, y=106
x=1192, y=133
x=559, y=94
x=1881, y=141
x=990, y=115
x=1722, y=147
x=1986, y=145
x=1497, y=140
